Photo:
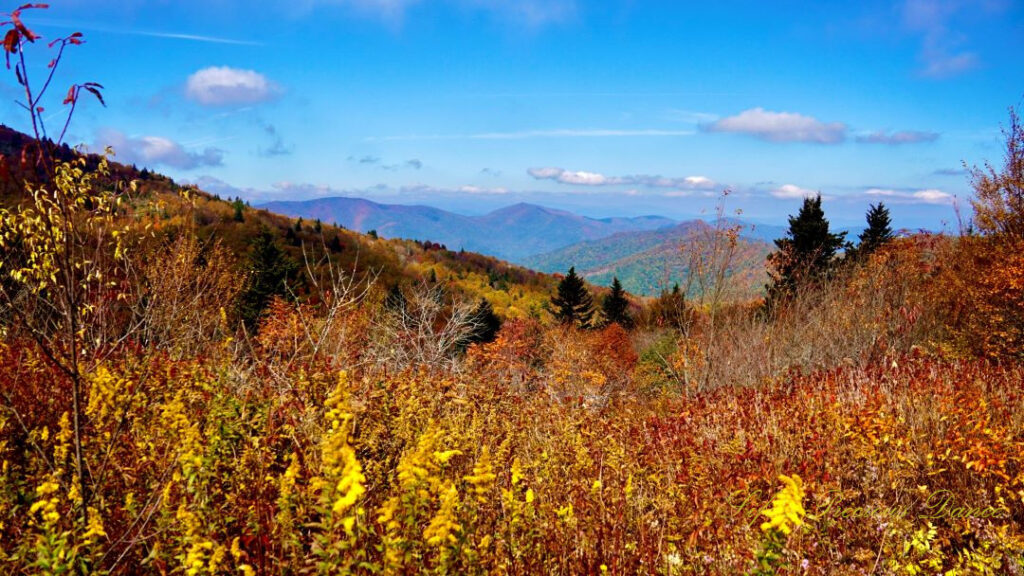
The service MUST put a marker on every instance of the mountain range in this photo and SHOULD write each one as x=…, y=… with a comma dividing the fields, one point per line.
x=644, y=252
x=649, y=262
x=513, y=233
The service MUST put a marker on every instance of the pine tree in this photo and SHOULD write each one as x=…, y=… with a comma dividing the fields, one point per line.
x=485, y=324
x=269, y=270
x=616, y=306
x=670, y=309
x=878, y=232
x=395, y=299
x=573, y=303
x=239, y=207
x=806, y=253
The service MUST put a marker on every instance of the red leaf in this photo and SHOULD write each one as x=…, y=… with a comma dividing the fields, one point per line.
x=11, y=41
x=72, y=95
x=39, y=109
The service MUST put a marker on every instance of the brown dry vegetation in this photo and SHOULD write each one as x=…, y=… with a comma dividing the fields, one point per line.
x=144, y=428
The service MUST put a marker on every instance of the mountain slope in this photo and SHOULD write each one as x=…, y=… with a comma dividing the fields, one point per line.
x=512, y=233
x=648, y=262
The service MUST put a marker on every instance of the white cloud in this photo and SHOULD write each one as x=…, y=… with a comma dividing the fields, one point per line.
x=788, y=191
x=780, y=127
x=154, y=151
x=933, y=196
x=586, y=178
x=880, y=192
x=483, y=190
x=927, y=196
x=596, y=179
x=900, y=137
x=528, y=134
x=225, y=86
x=942, y=52
x=699, y=182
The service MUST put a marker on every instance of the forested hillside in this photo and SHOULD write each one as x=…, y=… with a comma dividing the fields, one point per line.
x=189, y=385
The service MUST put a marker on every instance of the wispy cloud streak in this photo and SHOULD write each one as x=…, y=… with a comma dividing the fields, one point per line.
x=528, y=134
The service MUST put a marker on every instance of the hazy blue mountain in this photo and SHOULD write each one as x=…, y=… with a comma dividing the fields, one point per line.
x=512, y=233
x=647, y=262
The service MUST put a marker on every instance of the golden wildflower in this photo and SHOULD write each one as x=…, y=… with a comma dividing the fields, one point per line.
x=565, y=512
x=104, y=391
x=444, y=456
x=342, y=474
x=787, y=509
x=48, y=501
x=94, y=530
x=483, y=476
x=443, y=527
x=517, y=472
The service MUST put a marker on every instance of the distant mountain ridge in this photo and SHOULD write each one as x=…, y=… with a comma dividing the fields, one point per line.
x=513, y=233
x=647, y=262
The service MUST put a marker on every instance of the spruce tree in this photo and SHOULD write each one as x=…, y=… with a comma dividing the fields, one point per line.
x=239, y=207
x=878, y=232
x=805, y=254
x=573, y=303
x=616, y=306
x=269, y=270
x=485, y=324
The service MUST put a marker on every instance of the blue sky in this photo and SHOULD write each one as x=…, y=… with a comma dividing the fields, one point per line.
x=607, y=108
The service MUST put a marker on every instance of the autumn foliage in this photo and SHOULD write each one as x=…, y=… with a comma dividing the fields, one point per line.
x=153, y=421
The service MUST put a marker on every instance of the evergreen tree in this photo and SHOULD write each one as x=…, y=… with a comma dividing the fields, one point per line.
x=485, y=324
x=239, y=210
x=616, y=306
x=395, y=299
x=269, y=270
x=670, y=308
x=318, y=226
x=805, y=254
x=573, y=303
x=878, y=232
x=334, y=244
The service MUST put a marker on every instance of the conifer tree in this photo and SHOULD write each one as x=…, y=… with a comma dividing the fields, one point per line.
x=878, y=232
x=269, y=270
x=573, y=303
x=805, y=254
x=485, y=324
x=616, y=306
x=239, y=207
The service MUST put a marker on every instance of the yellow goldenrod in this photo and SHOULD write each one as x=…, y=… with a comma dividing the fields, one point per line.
x=787, y=509
x=483, y=476
x=443, y=526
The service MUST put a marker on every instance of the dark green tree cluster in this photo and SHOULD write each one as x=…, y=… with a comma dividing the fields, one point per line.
x=573, y=303
x=671, y=309
x=805, y=255
x=239, y=207
x=270, y=268
x=878, y=232
x=486, y=324
x=809, y=251
x=616, y=306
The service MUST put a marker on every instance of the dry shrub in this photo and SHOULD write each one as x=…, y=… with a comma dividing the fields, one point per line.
x=185, y=292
